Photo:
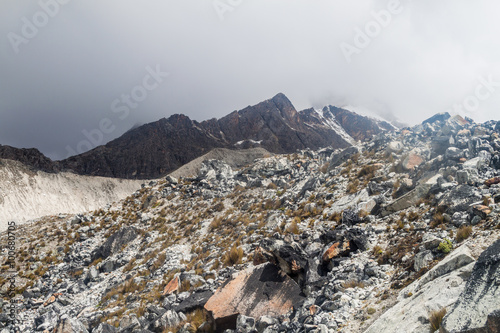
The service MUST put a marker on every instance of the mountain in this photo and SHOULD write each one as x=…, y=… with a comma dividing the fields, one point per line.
x=399, y=233
x=32, y=158
x=157, y=148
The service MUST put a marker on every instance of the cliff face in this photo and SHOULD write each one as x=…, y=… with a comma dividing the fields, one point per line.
x=29, y=157
x=157, y=148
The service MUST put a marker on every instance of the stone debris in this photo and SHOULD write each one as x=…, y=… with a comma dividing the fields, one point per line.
x=369, y=238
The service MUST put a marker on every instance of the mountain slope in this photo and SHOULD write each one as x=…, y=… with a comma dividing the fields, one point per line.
x=380, y=242
x=157, y=148
x=26, y=194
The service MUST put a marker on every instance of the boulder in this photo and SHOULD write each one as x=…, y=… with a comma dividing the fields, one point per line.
x=289, y=257
x=492, y=181
x=196, y=300
x=215, y=169
x=105, y=328
x=343, y=156
x=254, y=292
x=453, y=153
x=480, y=298
x=439, y=288
x=245, y=324
x=412, y=197
x=412, y=160
x=115, y=243
x=70, y=325
x=422, y=259
x=167, y=319
x=481, y=210
x=495, y=162
x=460, y=198
x=335, y=250
x=395, y=147
x=460, y=257
x=430, y=242
x=350, y=217
x=172, y=286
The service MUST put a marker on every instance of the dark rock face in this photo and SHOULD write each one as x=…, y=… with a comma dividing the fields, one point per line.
x=359, y=127
x=477, y=309
x=155, y=149
x=289, y=257
x=30, y=157
x=255, y=292
x=115, y=243
x=460, y=198
x=197, y=300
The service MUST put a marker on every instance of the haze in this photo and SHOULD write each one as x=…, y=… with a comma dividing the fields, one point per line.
x=68, y=66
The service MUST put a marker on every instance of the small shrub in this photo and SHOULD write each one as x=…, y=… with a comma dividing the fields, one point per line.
x=352, y=187
x=435, y=319
x=219, y=207
x=272, y=186
x=371, y=311
x=438, y=219
x=377, y=250
x=445, y=246
x=463, y=233
x=412, y=216
x=234, y=256
x=324, y=167
x=293, y=227
x=353, y=284
x=185, y=286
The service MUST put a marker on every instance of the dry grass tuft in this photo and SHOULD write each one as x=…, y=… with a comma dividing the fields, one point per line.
x=435, y=319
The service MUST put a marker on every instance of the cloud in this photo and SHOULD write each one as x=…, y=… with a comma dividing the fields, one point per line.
x=63, y=81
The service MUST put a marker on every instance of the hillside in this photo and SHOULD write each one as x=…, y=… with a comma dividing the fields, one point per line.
x=28, y=194
x=398, y=233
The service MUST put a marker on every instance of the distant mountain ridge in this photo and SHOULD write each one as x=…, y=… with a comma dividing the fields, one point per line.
x=155, y=149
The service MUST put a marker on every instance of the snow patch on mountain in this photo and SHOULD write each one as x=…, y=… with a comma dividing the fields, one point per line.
x=329, y=120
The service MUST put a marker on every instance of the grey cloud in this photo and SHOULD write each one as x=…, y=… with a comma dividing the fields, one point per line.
x=64, y=80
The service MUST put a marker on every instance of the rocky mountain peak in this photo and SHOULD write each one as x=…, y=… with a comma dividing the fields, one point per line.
x=152, y=150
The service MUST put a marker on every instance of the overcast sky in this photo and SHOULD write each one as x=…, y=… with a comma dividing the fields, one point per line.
x=67, y=67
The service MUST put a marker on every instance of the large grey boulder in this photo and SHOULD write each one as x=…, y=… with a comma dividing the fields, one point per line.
x=115, y=243
x=70, y=325
x=480, y=298
x=460, y=198
x=412, y=197
x=439, y=288
x=343, y=156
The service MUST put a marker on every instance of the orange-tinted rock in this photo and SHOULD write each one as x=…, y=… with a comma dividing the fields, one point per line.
x=172, y=286
x=257, y=291
x=492, y=181
x=481, y=211
x=334, y=250
x=411, y=161
x=51, y=300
